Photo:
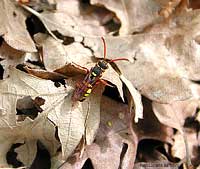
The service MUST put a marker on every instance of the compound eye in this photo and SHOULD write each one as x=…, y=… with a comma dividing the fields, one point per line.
x=103, y=64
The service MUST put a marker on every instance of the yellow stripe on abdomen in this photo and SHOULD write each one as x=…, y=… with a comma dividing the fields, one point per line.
x=89, y=91
x=86, y=94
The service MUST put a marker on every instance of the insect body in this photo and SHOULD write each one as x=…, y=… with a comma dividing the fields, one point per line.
x=84, y=88
x=93, y=76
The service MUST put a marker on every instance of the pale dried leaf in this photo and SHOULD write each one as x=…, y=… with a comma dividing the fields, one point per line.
x=78, y=54
x=13, y=27
x=70, y=25
x=112, y=139
x=11, y=57
x=26, y=153
x=113, y=77
x=133, y=14
x=41, y=129
x=4, y=147
x=136, y=98
x=179, y=149
x=75, y=120
x=38, y=129
x=174, y=114
x=25, y=85
x=63, y=6
x=70, y=122
x=92, y=114
x=53, y=52
x=198, y=116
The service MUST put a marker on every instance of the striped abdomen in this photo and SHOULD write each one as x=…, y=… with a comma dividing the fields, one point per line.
x=84, y=89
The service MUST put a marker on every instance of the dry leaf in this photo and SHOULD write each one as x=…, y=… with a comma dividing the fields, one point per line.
x=113, y=140
x=146, y=72
x=78, y=54
x=13, y=28
x=53, y=52
x=72, y=25
x=179, y=149
x=174, y=114
x=75, y=120
x=150, y=127
x=10, y=57
x=26, y=153
x=70, y=122
x=38, y=129
x=92, y=111
x=113, y=77
x=136, y=99
x=134, y=15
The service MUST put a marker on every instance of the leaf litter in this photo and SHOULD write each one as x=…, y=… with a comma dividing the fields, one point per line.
x=158, y=85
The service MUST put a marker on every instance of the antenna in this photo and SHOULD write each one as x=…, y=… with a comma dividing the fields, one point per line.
x=104, y=48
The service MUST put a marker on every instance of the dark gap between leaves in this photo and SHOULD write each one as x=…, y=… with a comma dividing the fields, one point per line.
x=14, y=14
x=21, y=67
x=192, y=122
x=66, y=39
x=147, y=148
x=58, y=83
x=1, y=71
x=1, y=40
x=11, y=156
x=88, y=164
x=123, y=152
x=113, y=93
x=85, y=2
x=27, y=107
x=34, y=25
x=112, y=26
x=43, y=158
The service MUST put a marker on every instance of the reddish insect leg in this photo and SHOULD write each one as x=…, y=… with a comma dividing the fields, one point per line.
x=105, y=83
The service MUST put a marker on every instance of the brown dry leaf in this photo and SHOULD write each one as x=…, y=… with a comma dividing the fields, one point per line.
x=53, y=52
x=10, y=57
x=174, y=114
x=13, y=28
x=113, y=141
x=134, y=15
x=45, y=74
x=178, y=148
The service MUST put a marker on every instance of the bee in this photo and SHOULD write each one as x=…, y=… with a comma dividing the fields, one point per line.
x=93, y=77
